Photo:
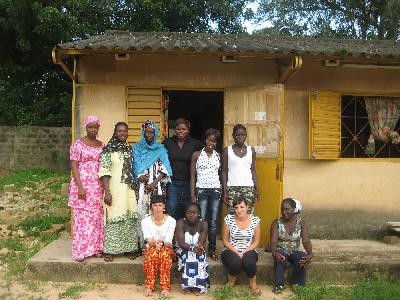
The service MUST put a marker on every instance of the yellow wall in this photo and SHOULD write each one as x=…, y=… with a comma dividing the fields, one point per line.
x=345, y=183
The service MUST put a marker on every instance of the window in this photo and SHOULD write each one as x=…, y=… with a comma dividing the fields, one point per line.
x=340, y=126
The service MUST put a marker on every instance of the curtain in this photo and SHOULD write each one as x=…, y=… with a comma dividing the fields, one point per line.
x=383, y=114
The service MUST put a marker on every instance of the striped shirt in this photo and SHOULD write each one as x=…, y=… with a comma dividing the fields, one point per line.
x=240, y=239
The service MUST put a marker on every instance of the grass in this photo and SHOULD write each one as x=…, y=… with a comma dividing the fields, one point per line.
x=25, y=177
x=376, y=288
x=74, y=291
x=14, y=244
x=229, y=292
x=35, y=224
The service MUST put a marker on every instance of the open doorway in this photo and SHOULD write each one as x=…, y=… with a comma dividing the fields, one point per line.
x=204, y=109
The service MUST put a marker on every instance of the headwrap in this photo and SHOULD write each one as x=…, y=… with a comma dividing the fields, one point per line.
x=118, y=146
x=145, y=155
x=90, y=119
x=299, y=207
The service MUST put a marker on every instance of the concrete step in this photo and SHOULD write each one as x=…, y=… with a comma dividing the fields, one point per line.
x=335, y=262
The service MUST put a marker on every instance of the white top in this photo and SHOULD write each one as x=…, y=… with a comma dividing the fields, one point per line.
x=207, y=170
x=240, y=239
x=163, y=232
x=239, y=168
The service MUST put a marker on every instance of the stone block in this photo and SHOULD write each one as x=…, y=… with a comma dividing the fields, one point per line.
x=64, y=189
x=48, y=197
x=391, y=239
x=8, y=188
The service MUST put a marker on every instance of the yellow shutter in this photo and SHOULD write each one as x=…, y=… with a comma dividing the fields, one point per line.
x=324, y=124
x=143, y=104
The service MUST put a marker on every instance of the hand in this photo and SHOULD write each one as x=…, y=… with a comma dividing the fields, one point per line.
x=199, y=249
x=151, y=242
x=144, y=178
x=107, y=198
x=240, y=254
x=256, y=195
x=159, y=244
x=193, y=199
x=305, y=260
x=278, y=257
x=150, y=187
x=81, y=193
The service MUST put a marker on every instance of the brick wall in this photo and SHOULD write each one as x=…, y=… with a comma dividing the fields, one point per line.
x=31, y=146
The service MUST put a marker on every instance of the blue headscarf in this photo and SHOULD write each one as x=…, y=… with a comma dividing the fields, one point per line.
x=145, y=155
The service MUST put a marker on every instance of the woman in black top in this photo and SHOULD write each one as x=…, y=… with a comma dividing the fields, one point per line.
x=180, y=148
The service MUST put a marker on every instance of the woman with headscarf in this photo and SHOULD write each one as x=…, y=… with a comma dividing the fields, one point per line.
x=151, y=168
x=119, y=196
x=85, y=193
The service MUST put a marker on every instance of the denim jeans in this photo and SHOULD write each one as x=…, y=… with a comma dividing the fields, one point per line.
x=294, y=259
x=178, y=198
x=209, y=201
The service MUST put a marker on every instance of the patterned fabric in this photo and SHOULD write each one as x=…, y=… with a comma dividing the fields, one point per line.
x=146, y=155
x=121, y=236
x=207, y=170
x=91, y=119
x=240, y=239
x=157, y=260
x=194, y=268
x=88, y=233
x=289, y=242
x=246, y=191
x=125, y=152
x=144, y=197
x=121, y=215
x=383, y=115
x=88, y=212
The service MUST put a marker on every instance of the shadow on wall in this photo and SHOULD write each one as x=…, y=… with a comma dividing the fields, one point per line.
x=347, y=224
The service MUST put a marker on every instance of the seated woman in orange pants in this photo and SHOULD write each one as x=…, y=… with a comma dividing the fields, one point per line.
x=158, y=232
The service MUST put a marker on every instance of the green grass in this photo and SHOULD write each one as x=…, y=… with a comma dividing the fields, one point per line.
x=34, y=225
x=367, y=289
x=14, y=244
x=25, y=177
x=229, y=292
x=74, y=291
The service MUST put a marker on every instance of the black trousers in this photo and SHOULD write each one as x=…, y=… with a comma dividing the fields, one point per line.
x=235, y=264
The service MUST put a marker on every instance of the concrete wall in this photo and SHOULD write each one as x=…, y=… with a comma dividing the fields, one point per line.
x=346, y=197
x=31, y=146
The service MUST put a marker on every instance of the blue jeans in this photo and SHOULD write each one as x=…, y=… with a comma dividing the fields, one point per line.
x=294, y=259
x=209, y=201
x=178, y=198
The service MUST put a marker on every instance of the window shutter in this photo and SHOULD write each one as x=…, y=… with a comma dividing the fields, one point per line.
x=143, y=104
x=324, y=124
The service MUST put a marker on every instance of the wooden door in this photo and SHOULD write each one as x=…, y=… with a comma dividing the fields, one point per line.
x=261, y=112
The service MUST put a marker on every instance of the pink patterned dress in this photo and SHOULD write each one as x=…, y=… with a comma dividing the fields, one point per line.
x=88, y=213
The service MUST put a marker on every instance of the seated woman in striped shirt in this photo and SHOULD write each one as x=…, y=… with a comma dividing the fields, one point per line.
x=241, y=236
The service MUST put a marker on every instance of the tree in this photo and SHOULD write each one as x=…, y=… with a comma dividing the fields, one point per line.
x=364, y=19
x=34, y=91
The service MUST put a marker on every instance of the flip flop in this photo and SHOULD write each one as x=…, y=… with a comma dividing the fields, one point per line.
x=108, y=258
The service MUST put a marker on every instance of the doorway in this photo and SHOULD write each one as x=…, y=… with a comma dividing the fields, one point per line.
x=204, y=109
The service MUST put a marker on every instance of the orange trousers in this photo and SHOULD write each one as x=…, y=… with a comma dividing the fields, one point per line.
x=157, y=259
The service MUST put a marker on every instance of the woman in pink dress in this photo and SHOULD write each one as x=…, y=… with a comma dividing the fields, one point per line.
x=86, y=193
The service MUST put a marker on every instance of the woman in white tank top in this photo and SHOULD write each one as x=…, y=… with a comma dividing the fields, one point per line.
x=205, y=185
x=238, y=171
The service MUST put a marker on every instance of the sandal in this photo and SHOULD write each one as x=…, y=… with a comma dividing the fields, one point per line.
x=277, y=289
x=256, y=290
x=148, y=293
x=213, y=256
x=165, y=293
x=108, y=258
x=80, y=260
x=131, y=255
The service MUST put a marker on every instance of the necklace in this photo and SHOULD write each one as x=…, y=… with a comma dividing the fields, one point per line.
x=240, y=148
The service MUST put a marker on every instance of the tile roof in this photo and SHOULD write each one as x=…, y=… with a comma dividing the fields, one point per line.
x=230, y=43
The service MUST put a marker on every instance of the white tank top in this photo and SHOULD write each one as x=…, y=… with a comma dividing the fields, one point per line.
x=207, y=170
x=239, y=168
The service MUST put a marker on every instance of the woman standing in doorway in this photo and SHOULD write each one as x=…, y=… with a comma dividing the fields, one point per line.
x=151, y=168
x=239, y=170
x=180, y=148
x=121, y=235
x=86, y=193
x=206, y=187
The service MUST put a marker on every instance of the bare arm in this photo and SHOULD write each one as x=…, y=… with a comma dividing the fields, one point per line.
x=274, y=241
x=305, y=261
x=193, y=176
x=199, y=249
x=224, y=175
x=77, y=178
x=105, y=181
x=225, y=239
x=254, y=174
x=256, y=239
x=180, y=235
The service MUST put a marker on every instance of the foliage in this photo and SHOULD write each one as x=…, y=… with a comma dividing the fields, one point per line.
x=368, y=19
x=25, y=177
x=376, y=288
x=228, y=292
x=74, y=291
x=34, y=225
x=34, y=91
